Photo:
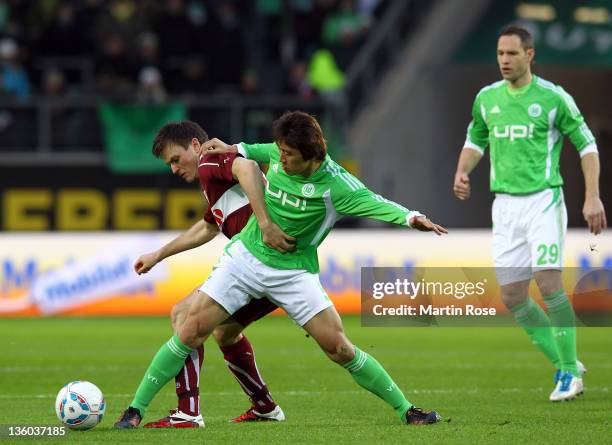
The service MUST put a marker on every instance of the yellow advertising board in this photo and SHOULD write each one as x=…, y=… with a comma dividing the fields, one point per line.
x=91, y=273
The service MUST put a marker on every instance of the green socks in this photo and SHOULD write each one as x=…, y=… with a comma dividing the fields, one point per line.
x=165, y=365
x=369, y=374
x=563, y=320
x=537, y=325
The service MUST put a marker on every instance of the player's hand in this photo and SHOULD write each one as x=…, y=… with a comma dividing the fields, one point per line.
x=215, y=146
x=424, y=225
x=594, y=214
x=145, y=263
x=276, y=239
x=462, y=186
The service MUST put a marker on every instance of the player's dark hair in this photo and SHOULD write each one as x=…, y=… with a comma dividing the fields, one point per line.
x=301, y=131
x=524, y=35
x=178, y=133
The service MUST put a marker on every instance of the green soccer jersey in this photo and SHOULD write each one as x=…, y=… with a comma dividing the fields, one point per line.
x=307, y=208
x=525, y=134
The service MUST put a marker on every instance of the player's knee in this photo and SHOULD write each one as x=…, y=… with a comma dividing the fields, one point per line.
x=342, y=351
x=176, y=315
x=192, y=333
x=188, y=335
x=549, y=286
x=513, y=294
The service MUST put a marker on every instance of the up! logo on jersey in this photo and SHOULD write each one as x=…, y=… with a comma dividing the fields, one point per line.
x=513, y=131
x=286, y=199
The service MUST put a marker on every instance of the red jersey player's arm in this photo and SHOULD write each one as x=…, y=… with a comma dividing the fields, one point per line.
x=198, y=234
x=248, y=174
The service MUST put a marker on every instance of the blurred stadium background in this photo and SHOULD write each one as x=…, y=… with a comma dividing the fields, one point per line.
x=85, y=84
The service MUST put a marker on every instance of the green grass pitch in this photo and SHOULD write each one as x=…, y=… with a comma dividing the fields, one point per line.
x=491, y=382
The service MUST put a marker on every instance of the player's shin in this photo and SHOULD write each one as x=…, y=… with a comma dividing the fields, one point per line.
x=240, y=360
x=165, y=365
x=188, y=383
x=563, y=320
x=537, y=325
x=370, y=374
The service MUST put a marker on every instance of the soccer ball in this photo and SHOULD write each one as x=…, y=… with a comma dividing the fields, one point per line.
x=80, y=405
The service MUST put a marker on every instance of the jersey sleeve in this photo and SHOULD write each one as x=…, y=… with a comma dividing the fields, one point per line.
x=209, y=217
x=260, y=153
x=358, y=200
x=570, y=122
x=477, y=137
x=217, y=168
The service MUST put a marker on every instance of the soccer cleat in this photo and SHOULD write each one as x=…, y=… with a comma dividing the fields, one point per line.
x=129, y=419
x=568, y=388
x=416, y=416
x=581, y=369
x=178, y=419
x=251, y=415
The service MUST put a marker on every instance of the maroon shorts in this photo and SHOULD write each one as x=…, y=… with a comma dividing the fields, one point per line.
x=256, y=309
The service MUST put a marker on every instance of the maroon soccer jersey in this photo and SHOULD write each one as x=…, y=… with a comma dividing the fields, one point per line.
x=229, y=206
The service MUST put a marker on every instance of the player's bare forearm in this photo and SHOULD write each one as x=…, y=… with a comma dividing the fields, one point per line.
x=593, y=209
x=248, y=174
x=468, y=159
x=200, y=233
x=590, y=170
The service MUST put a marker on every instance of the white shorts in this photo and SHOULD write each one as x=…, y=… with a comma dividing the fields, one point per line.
x=528, y=234
x=239, y=277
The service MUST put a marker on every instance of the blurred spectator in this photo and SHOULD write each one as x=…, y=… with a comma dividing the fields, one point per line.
x=13, y=77
x=344, y=30
x=297, y=81
x=198, y=46
x=62, y=36
x=150, y=86
x=53, y=83
x=225, y=45
x=177, y=33
x=86, y=20
x=12, y=18
x=307, y=17
x=114, y=71
x=124, y=18
x=186, y=76
x=148, y=50
x=250, y=82
x=324, y=74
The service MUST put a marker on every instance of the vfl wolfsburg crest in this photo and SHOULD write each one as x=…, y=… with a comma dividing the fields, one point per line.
x=535, y=110
x=308, y=190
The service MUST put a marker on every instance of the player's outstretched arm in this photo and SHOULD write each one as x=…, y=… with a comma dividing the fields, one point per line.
x=248, y=174
x=593, y=209
x=364, y=202
x=468, y=159
x=200, y=233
